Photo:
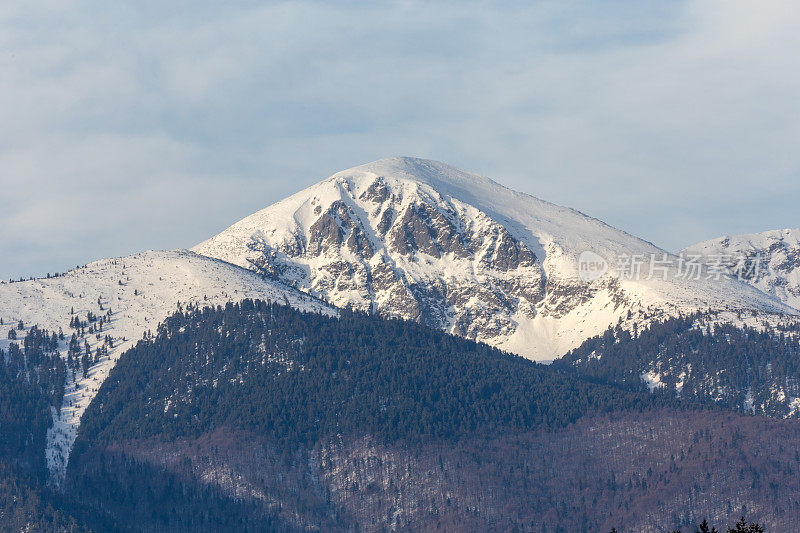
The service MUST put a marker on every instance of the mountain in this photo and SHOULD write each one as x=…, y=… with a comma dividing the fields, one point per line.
x=115, y=301
x=421, y=240
x=770, y=261
x=219, y=389
x=401, y=237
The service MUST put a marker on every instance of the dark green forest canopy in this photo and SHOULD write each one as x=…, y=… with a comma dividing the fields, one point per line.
x=298, y=377
x=28, y=507
x=32, y=378
x=699, y=359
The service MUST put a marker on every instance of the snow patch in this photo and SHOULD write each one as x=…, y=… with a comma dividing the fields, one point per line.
x=652, y=379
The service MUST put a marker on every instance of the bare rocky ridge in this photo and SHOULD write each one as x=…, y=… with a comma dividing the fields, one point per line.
x=420, y=240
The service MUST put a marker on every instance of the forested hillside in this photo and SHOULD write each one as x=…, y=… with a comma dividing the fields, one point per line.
x=298, y=377
x=258, y=416
x=753, y=369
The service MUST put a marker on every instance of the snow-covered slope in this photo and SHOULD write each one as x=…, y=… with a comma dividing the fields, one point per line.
x=426, y=241
x=769, y=261
x=141, y=291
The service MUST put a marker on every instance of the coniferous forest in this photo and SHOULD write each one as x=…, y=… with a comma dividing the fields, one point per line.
x=696, y=359
x=33, y=376
x=299, y=377
x=255, y=416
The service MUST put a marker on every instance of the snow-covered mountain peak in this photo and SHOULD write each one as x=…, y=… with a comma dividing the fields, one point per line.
x=772, y=258
x=426, y=241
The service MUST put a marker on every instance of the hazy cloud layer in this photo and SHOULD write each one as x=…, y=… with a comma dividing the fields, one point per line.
x=144, y=126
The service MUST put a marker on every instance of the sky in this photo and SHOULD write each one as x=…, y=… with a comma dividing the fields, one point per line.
x=155, y=125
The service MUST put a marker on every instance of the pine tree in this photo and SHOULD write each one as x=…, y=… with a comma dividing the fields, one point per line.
x=742, y=526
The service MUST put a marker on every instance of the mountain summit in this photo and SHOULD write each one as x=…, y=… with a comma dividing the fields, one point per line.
x=422, y=240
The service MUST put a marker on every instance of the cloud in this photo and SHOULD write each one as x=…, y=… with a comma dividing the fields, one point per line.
x=143, y=126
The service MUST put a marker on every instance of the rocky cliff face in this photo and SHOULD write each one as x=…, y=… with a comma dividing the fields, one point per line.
x=424, y=241
x=412, y=256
